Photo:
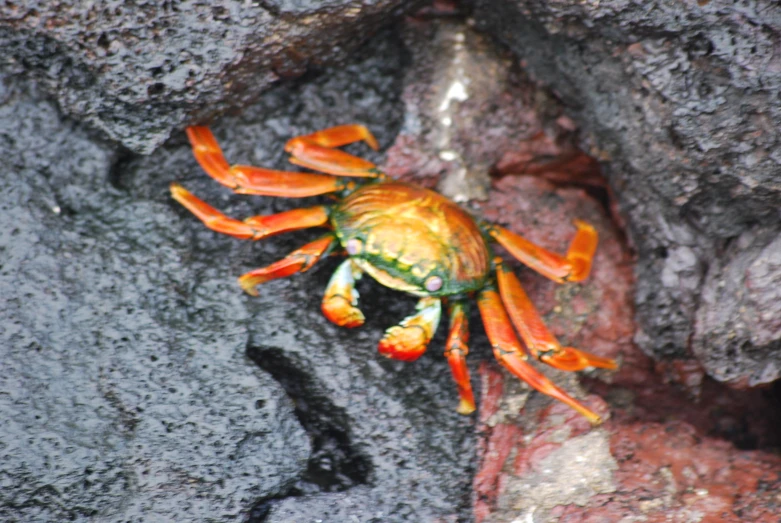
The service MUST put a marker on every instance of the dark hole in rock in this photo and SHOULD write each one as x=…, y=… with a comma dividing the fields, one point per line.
x=334, y=465
x=155, y=89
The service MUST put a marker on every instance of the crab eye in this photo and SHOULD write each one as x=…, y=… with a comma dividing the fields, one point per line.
x=433, y=283
x=353, y=246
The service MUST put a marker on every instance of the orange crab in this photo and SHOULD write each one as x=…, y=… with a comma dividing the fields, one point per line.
x=407, y=238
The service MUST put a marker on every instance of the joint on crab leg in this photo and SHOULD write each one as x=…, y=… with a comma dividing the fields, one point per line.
x=209, y=154
x=245, y=179
x=316, y=151
x=538, y=339
x=408, y=340
x=581, y=250
x=255, y=227
x=341, y=298
x=456, y=350
x=300, y=260
x=508, y=351
x=575, y=266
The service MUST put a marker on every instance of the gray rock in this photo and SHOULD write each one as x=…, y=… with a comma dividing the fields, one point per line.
x=128, y=389
x=738, y=329
x=125, y=392
x=681, y=101
x=137, y=71
x=571, y=474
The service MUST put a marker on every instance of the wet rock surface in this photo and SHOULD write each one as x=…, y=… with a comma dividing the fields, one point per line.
x=681, y=102
x=129, y=389
x=126, y=393
x=139, y=383
x=179, y=62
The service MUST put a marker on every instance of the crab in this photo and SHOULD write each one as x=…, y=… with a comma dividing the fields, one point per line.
x=410, y=239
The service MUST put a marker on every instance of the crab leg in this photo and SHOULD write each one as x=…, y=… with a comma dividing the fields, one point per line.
x=316, y=151
x=456, y=350
x=538, y=339
x=341, y=298
x=245, y=179
x=507, y=349
x=254, y=227
x=407, y=341
x=575, y=266
x=340, y=135
x=300, y=260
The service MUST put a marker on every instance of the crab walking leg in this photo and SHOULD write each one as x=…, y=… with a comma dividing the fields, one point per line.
x=245, y=179
x=340, y=135
x=538, y=339
x=341, y=299
x=408, y=340
x=300, y=260
x=456, y=350
x=254, y=227
x=507, y=349
x=316, y=151
x=575, y=266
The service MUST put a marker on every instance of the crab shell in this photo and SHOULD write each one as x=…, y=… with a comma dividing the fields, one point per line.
x=407, y=238
x=412, y=239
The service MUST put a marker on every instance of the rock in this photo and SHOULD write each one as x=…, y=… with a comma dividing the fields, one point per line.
x=126, y=393
x=660, y=455
x=137, y=72
x=671, y=471
x=470, y=112
x=680, y=102
x=738, y=329
x=145, y=402
x=130, y=388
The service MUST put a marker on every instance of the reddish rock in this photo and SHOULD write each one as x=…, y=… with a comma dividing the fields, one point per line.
x=668, y=472
x=663, y=454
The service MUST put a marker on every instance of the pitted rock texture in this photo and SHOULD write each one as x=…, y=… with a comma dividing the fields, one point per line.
x=138, y=70
x=130, y=389
x=125, y=393
x=742, y=301
x=681, y=102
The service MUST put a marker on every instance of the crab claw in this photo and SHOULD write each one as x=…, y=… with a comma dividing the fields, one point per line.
x=408, y=340
x=341, y=299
